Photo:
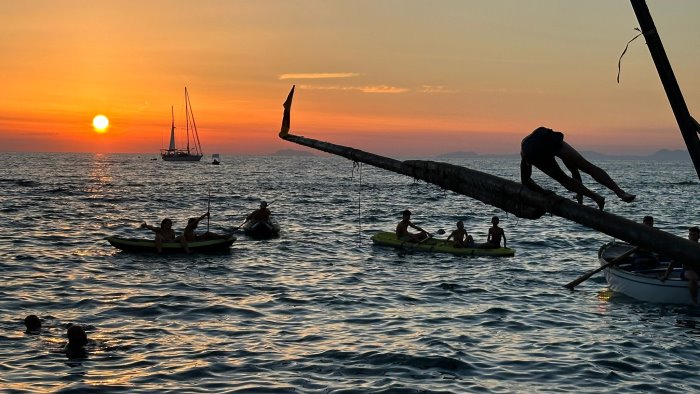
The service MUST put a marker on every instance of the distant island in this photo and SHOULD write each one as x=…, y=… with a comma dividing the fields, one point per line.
x=457, y=155
x=661, y=155
x=292, y=152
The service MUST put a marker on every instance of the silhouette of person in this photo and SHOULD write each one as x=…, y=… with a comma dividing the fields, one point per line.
x=77, y=339
x=540, y=148
x=33, y=324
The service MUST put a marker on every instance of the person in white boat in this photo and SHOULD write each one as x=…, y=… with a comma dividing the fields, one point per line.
x=643, y=259
x=687, y=272
x=402, y=232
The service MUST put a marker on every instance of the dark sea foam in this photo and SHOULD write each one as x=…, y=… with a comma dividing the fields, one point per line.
x=320, y=309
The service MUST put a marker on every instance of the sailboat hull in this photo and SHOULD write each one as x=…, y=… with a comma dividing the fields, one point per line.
x=179, y=156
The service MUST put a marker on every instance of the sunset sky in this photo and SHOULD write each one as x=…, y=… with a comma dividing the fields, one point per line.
x=395, y=77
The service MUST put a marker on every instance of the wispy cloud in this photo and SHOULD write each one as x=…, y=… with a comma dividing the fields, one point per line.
x=436, y=89
x=383, y=89
x=318, y=75
x=363, y=89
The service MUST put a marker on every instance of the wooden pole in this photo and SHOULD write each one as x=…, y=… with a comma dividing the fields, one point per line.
x=680, y=110
x=511, y=196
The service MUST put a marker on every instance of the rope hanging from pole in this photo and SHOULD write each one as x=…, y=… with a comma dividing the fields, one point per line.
x=619, y=61
x=358, y=165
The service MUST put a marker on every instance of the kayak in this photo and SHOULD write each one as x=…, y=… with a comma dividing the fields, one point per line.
x=261, y=229
x=385, y=238
x=149, y=245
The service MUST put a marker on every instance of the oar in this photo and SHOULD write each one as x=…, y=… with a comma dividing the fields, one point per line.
x=430, y=236
x=240, y=225
x=587, y=275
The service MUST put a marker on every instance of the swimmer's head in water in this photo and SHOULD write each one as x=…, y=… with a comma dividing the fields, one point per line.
x=33, y=323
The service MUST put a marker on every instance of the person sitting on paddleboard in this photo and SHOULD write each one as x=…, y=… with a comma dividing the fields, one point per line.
x=261, y=213
x=164, y=233
x=540, y=148
x=402, y=232
x=461, y=238
x=493, y=239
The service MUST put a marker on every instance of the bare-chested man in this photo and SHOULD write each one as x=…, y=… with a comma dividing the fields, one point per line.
x=402, y=232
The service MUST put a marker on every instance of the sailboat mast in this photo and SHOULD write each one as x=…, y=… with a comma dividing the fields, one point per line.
x=668, y=79
x=171, y=147
x=187, y=120
x=195, y=133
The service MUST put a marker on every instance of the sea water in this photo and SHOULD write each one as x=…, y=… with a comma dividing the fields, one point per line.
x=320, y=309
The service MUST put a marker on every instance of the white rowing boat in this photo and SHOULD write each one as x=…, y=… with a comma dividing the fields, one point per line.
x=642, y=285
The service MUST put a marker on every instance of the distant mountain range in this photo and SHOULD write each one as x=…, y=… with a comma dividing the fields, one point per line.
x=661, y=155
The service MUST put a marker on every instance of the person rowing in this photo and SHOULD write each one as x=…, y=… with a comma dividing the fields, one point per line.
x=262, y=213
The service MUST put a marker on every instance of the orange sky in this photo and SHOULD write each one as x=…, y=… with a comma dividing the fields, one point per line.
x=400, y=77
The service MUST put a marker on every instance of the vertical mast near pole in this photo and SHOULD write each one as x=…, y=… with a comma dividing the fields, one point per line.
x=686, y=123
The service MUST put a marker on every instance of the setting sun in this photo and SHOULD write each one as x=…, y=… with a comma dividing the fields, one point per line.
x=100, y=123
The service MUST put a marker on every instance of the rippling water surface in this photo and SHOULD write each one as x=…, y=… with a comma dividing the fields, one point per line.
x=320, y=309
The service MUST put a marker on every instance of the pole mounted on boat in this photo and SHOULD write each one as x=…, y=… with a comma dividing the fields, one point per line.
x=688, y=126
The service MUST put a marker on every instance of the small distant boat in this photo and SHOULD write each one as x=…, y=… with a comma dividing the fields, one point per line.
x=187, y=154
x=215, y=159
x=136, y=245
x=261, y=229
x=385, y=238
x=642, y=285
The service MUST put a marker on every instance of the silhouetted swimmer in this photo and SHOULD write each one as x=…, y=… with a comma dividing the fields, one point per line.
x=33, y=324
x=77, y=339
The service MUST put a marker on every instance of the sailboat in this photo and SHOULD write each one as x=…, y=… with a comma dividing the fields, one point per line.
x=187, y=154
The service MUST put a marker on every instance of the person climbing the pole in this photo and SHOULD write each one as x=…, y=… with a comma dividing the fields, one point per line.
x=540, y=148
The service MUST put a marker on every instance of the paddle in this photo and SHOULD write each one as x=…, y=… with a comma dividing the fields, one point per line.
x=587, y=275
x=240, y=225
x=430, y=236
x=439, y=232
